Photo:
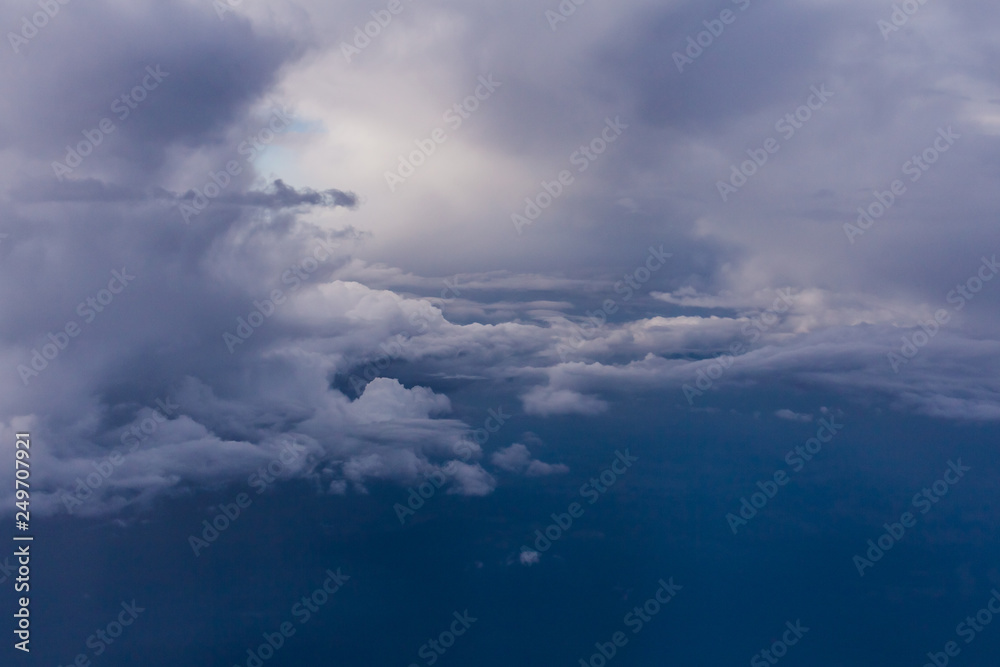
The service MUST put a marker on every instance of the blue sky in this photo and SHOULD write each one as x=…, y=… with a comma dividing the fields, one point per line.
x=392, y=287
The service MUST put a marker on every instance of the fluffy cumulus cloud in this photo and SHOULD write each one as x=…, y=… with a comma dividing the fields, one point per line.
x=518, y=459
x=223, y=234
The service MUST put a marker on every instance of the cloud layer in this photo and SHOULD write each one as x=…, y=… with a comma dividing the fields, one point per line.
x=305, y=301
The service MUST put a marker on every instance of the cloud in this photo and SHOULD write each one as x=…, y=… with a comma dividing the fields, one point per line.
x=785, y=413
x=470, y=480
x=279, y=196
x=512, y=459
x=430, y=286
x=541, y=469
x=545, y=401
x=193, y=105
x=517, y=459
x=387, y=400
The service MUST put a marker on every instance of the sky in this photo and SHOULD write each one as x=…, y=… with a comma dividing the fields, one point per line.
x=543, y=314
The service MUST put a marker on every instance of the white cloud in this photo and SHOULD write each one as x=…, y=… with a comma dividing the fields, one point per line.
x=517, y=459
x=545, y=401
x=785, y=413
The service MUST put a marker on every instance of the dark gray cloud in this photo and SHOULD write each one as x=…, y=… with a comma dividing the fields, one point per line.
x=77, y=70
x=279, y=196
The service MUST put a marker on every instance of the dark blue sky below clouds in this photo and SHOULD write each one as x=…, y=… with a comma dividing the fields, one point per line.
x=710, y=285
